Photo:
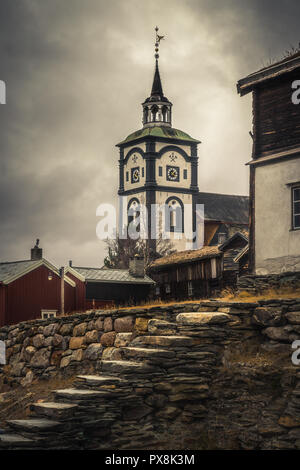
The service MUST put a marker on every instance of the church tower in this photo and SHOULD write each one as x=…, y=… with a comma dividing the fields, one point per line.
x=158, y=165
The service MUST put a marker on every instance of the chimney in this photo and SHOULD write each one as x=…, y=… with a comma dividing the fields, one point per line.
x=137, y=266
x=36, y=251
x=70, y=263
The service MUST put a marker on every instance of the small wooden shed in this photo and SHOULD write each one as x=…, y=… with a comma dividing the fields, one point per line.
x=191, y=273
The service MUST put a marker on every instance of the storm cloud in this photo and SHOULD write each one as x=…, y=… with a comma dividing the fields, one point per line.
x=76, y=73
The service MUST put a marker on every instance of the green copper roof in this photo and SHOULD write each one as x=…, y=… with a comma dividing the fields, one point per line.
x=165, y=132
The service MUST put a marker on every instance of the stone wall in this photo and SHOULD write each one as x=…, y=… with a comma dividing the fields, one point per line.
x=255, y=284
x=65, y=345
x=201, y=375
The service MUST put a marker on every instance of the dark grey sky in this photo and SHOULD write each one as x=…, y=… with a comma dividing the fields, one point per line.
x=76, y=72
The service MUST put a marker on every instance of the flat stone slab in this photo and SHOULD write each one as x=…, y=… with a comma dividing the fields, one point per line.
x=147, y=353
x=14, y=439
x=78, y=393
x=55, y=406
x=33, y=424
x=101, y=379
x=54, y=409
x=167, y=341
x=125, y=367
x=202, y=319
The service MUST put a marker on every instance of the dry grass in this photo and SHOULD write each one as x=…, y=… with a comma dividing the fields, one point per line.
x=244, y=296
x=16, y=402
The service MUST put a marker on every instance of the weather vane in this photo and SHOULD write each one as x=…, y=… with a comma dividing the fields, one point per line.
x=157, y=42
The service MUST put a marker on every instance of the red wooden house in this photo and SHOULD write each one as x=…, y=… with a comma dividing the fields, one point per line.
x=32, y=289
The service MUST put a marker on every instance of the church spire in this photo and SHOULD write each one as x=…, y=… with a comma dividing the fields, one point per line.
x=157, y=87
x=157, y=108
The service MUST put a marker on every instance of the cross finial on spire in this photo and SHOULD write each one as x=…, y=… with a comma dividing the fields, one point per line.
x=158, y=38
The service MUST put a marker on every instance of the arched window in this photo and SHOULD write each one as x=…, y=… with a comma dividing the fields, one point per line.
x=145, y=115
x=133, y=212
x=174, y=215
x=164, y=112
x=154, y=111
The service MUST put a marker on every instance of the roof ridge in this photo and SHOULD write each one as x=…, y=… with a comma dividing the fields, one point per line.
x=224, y=194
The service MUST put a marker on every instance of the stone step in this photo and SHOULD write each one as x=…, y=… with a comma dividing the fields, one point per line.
x=33, y=425
x=16, y=441
x=195, y=319
x=100, y=382
x=125, y=368
x=78, y=394
x=161, y=327
x=53, y=410
x=164, y=341
x=147, y=354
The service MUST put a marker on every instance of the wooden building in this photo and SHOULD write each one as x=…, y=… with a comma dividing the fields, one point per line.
x=232, y=264
x=224, y=215
x=104, y=287
x=191, y=273
x=274, y=240
x=31, y=289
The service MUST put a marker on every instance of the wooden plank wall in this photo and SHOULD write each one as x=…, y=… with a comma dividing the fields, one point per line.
x=276, y=118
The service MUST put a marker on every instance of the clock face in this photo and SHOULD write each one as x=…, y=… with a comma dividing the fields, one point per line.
x=135, y=175
x=172, y=173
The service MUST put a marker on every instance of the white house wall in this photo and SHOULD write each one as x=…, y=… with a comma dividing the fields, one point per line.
x=277, y=247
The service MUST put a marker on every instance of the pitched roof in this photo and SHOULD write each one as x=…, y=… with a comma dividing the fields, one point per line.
x=187, y=256
x=159, y=131
x=109, y=275
x=157, y=86
x=15, y=268
x=225, y=208
x=286, y=65
x=232, y=238
x=12, y=270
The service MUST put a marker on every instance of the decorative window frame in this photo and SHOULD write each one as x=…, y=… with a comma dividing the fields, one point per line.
x=293, y=187
x=295, y=212
x=179, y=228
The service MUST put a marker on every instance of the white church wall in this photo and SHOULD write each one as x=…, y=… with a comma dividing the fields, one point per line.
x=179, y=162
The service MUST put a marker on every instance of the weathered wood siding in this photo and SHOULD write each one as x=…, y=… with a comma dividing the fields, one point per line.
x=276, y=120
x=198, y=270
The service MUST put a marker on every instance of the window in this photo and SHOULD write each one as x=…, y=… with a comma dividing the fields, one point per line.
x=221, y=238
x=133, y=215
x=127, y=176
x=296, y=208
x=168, y=289
x=46, y=314
x=157, y=290
x=185, y=174
x=160, y=171
x=143, y=172
x=190, y=289
x=174, y=215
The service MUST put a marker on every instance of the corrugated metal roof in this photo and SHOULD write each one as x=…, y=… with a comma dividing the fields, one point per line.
x=111, y=275
x=186, y=256
x=14, y=268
